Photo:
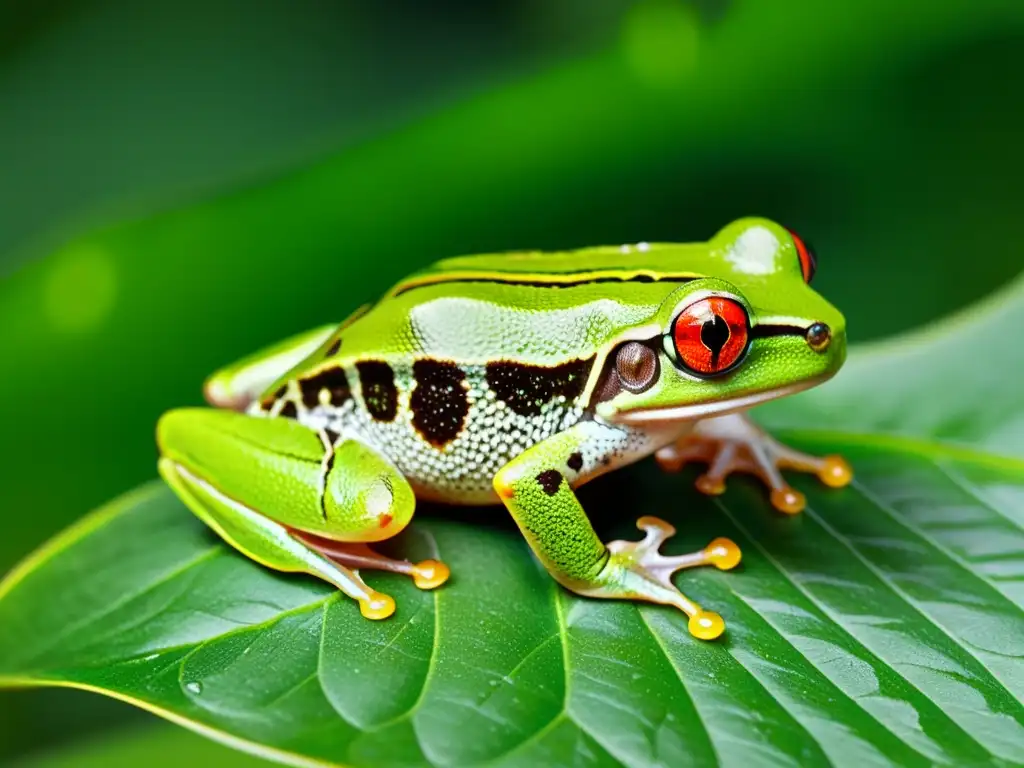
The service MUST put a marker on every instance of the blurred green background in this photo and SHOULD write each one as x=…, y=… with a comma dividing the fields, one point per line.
x=183, y=182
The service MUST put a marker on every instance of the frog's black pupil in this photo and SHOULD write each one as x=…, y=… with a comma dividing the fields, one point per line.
x=713, y=335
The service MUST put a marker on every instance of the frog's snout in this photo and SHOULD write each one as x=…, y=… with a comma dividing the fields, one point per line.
x=819, y=337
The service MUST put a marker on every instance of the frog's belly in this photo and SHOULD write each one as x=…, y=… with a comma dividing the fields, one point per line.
x=462, y=470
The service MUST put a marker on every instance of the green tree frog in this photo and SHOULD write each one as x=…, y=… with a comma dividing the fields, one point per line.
x=515, y=378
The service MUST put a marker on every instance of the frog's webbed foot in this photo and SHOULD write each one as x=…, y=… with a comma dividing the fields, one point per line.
x=637, y=569
x=426, y=574
x=734, y=443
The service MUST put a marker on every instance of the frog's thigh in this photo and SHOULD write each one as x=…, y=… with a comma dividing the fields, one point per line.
x=257, y=481
x=536, y=489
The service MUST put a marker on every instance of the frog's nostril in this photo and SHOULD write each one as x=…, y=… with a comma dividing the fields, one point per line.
x=819, y=336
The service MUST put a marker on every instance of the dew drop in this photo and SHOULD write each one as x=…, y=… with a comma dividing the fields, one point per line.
x=194, y=687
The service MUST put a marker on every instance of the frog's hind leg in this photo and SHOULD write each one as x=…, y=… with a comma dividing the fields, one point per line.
x=268, y=542
x=426, y=574
x=734, y=443
x=264, y=484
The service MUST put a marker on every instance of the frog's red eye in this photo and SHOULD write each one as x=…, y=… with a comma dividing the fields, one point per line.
x=808, y=262
x=711, y=335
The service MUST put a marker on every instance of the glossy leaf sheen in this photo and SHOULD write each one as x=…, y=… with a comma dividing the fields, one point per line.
x=882, y=626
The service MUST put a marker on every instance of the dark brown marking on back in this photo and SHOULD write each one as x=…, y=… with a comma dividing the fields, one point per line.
x=333, y=349
x=439, y=404
x=379, y=393
x=549, y=481
x=333, y=380
x=575, y=461
x=289, y=411
x=527, y=388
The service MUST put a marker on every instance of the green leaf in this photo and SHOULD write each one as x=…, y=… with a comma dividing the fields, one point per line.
x=883, y=626
x=155, y=746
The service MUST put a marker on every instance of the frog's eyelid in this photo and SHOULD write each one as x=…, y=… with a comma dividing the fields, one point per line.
x=808, y=261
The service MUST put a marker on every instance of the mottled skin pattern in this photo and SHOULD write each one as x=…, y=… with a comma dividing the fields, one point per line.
x=461, y=469
x=516, y=378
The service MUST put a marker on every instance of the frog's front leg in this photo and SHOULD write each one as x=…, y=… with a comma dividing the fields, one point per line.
x=291, y=498
x=537, y=488
x=734, y=443
x=235, y=386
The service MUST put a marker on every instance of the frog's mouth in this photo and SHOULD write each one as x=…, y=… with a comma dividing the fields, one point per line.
x=695, y=411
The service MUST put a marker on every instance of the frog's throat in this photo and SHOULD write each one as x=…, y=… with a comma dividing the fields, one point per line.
x=695, y=411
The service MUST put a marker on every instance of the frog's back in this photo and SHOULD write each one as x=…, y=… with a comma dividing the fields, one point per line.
x=541, y=306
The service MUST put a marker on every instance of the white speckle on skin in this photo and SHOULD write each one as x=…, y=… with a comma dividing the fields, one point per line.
x=643, y=247
x=379, y=500
x=624, y=248
x=755, y=252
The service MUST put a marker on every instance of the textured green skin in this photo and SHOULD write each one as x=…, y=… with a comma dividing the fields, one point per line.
x=555, y=524
x=472, y=322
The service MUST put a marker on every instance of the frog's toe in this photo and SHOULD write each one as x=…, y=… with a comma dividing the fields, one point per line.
x=430, y=574
x=788, y=500
x=377, y=606
x=706, y=625
x=731, y=444
x=637, y=570
x=834, y=471
x=426, y=574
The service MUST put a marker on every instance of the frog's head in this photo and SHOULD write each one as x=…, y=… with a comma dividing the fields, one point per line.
x=752, y=332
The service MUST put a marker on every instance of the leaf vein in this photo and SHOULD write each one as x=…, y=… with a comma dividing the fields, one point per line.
x=784, y=573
